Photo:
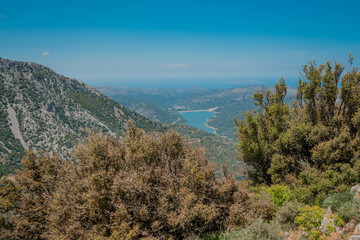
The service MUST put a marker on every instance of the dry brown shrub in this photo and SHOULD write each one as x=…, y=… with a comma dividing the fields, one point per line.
x=144, y=186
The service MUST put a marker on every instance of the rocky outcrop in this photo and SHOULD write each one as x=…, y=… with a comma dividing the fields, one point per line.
x=14, y=126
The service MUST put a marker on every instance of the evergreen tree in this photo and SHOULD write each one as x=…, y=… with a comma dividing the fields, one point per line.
x=311, y=144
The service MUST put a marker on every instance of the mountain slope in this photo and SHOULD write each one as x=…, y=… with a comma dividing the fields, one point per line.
x=45, y=111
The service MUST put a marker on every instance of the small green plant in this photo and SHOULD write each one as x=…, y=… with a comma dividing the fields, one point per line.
x=260, y=230
x=279, y=194
x=336, y=200
x=345, y=205
x=310, y=219
x=350, y=210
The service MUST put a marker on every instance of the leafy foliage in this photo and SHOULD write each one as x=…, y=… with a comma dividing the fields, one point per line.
x=288, y=212
x=350, y=210
x=337, y=199
x=345, y=204
x=311, y=144
x=279, y=194
x=146, y=185
x=260, y=230
x=310, y=219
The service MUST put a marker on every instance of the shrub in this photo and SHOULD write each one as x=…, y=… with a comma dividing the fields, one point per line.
x=310, y=219
x=345, y=205
x=350, y=210
x=259, y=230
x=279, y=194
x=146, y=185
x=287, y=213
x=336, y=200
x=246, y=212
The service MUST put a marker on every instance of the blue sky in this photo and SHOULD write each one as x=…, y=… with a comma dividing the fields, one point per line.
x=180, y=43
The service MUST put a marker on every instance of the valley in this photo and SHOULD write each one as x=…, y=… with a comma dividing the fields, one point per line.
x=169, y=105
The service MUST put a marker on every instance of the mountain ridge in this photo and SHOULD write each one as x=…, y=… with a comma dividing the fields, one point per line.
x=46, y=111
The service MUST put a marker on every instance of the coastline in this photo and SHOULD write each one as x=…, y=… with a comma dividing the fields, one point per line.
x=204, y=110
x=207, y=125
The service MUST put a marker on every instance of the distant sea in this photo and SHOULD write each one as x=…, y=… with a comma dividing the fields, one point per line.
x=186, y=83
x=198, y=119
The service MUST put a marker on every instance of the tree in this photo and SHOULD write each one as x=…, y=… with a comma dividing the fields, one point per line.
x=260, y=129
x=310, y=142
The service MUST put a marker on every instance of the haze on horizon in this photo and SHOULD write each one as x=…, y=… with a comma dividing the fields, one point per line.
x=179, y=43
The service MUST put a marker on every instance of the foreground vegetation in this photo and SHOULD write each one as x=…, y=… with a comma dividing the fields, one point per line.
x=303, y=159
x=143, y=186
x=312, y=144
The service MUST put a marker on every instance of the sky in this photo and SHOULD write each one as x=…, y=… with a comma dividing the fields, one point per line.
x=183, y=43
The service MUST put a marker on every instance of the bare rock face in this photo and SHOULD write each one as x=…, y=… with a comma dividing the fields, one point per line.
x=327, y=219
x=327, y=223
x=355, y=190
x=356, y=234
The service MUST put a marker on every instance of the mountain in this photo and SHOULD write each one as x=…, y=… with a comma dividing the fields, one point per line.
x=45, y=111
x=163, y=105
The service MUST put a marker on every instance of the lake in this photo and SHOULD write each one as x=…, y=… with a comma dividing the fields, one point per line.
x=198, y=119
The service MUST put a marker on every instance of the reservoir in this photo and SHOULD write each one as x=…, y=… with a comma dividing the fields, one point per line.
x=198, y=119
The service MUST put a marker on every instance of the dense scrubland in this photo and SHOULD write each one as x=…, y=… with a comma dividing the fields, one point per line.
x=303, y=158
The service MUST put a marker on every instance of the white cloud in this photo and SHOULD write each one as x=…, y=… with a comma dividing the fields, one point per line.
x=176, y=65
x=45, y=53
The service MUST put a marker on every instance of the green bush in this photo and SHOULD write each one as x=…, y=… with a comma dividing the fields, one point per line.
x=345, y=205
x=350, y=210
x=259, y=230
x=279, y=194
x=310, y=219
x=311, y=143
x=335, y=201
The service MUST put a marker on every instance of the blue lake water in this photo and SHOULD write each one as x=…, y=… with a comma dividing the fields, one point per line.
x=198, y=119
